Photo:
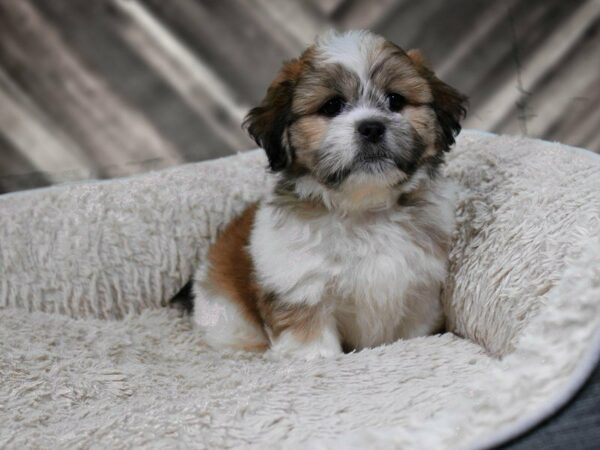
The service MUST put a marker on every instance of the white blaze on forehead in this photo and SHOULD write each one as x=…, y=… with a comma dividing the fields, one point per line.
x=352, y=49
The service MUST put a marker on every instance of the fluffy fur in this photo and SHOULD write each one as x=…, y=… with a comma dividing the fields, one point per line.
x=349, y=250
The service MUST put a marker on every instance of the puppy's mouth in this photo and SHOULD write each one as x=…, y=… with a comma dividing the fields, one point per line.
x=373, y=154
x=377, y=160
x=374, y=164
x=377, y=164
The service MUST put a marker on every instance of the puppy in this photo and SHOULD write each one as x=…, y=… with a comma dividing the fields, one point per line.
x=350, y=248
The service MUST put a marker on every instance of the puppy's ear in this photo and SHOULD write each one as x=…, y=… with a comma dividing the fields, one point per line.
x=450, y=106
x=268, y=122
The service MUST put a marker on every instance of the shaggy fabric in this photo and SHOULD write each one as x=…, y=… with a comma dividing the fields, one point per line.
x=89, y=358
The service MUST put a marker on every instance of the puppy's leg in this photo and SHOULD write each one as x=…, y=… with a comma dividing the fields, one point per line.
x=226, y=293
x=302, y=331
x=325, y=343
x=225, y=324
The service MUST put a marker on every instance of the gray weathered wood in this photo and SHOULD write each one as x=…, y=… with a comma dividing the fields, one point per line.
x=41, y=63
x=113, y=87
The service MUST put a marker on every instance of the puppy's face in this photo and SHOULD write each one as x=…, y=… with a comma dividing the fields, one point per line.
x=356, y=110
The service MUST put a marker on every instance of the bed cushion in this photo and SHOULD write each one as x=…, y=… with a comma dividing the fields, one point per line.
x=90, y=355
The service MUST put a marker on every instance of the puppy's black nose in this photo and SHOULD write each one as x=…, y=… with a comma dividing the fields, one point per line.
x=371, y=130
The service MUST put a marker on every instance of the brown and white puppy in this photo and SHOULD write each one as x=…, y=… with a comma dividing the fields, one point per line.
x=349, y=251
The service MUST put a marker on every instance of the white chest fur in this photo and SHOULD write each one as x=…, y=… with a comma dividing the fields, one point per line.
x=380, y=273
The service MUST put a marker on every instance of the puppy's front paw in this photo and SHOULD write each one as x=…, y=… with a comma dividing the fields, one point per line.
x=288, y=345
x=307, y=352
x=315, y=353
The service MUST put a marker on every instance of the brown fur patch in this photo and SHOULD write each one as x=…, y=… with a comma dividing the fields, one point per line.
x=231, y=273
x=306, y=135
x=306, y=322
x=423, y=120
x=393, y=71
x=231, y=270
x=417, y=57
x=450, y=106
x=319, y=83
x=267, y=123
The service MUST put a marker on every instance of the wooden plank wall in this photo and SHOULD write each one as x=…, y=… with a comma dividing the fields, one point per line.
x=105, y=88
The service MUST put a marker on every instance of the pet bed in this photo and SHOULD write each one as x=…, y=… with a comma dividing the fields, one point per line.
x=90, y=357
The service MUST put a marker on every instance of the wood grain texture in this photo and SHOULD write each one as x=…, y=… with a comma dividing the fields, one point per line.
x=114, y=87
x=43, y=64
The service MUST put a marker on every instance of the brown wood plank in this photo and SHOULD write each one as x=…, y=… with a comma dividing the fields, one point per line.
x=361, y=14
x=404, y=23
x=298, y=20
x=515, y=40
x=100, y=34
x=551, y=103
x=36, y=137
x=96, y=33
x=579, y=122
x=16, y=172
x=511, y=96
x=326, y=7
x=42, y=64
x=229, y=39
x=195, y=83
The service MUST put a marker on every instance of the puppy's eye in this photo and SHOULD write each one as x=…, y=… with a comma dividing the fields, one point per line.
x=396, y=102
x=332, y=107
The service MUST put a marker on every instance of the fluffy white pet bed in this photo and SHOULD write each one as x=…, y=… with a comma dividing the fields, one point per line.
x=89, y=357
